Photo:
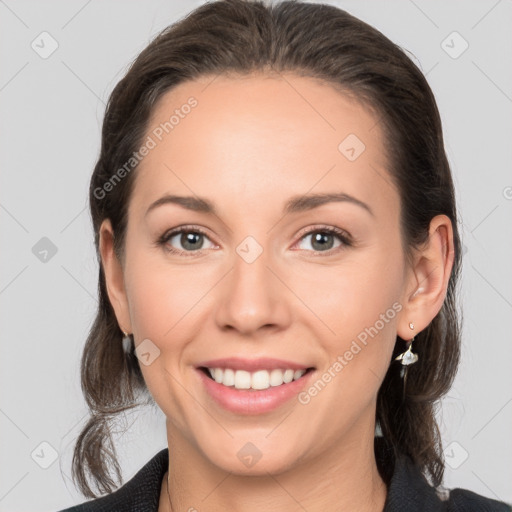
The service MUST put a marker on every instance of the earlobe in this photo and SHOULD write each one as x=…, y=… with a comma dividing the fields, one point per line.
x=428, y=283
x=114, y=276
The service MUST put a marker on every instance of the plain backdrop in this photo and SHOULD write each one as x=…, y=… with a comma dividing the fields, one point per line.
x=51, y=113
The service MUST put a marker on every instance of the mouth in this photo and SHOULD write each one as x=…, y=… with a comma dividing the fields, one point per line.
x=252, y=386
x=258, y=380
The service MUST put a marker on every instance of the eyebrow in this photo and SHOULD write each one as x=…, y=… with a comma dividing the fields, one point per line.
x=294, y=205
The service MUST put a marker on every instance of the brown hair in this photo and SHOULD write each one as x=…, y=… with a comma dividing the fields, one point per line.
x=320, y=41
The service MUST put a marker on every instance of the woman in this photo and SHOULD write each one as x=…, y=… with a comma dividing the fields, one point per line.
x=277, y=231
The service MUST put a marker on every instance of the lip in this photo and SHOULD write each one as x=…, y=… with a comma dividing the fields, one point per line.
x=252, y=365
x=250, y=401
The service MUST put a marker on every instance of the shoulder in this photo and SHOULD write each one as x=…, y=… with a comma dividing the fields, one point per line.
x=463, y=499
x=140, y=494
x=409, y=490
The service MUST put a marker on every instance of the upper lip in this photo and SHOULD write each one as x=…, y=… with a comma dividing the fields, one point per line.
x=252, y=365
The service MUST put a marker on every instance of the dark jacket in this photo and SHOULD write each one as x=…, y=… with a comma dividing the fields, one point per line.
x=408, y=491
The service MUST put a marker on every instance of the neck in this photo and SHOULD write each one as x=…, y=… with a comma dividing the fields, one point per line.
x=343, y=479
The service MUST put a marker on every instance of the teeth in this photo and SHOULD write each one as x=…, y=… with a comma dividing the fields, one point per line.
x=288, y=376
x=261, y=379
x=242, y=379
x=276, y=377
x=228, y=378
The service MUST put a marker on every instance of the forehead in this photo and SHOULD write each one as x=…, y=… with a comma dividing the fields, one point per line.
x=261, y=137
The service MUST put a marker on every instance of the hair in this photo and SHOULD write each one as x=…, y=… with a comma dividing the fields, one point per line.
x=239, y=37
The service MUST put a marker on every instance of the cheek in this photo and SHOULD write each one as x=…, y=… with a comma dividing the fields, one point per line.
x=162, y=296
x=353, y=295
x=164, y=304
x=356, y=305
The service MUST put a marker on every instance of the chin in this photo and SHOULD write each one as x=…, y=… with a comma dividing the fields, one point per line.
x=261, y=467
x=256, y=458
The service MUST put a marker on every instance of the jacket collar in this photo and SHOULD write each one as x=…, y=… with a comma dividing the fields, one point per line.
x=410, y=490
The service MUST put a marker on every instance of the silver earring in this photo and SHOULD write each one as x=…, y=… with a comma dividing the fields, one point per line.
x=127, y=343
x=407, y=358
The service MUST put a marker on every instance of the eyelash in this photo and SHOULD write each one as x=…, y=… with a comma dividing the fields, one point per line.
x=342, y=235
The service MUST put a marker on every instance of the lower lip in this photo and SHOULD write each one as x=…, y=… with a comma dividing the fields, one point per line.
x=249, y=401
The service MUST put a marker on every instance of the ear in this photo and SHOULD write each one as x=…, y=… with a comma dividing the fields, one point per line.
x=427, y=281
x=114, y=276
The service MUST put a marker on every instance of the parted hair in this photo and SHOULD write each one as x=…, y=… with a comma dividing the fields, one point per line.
x=238, y=37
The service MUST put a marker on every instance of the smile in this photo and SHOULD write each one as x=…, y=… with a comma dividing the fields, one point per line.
x=253, y=390
x=258, y=380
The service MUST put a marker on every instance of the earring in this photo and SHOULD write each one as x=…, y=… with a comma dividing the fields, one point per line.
x=127, y=343
x=407, y=358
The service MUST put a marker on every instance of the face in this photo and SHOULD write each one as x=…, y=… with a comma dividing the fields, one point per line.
x=269, y=278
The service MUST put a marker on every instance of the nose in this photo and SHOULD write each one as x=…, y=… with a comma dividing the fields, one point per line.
x=253, y=297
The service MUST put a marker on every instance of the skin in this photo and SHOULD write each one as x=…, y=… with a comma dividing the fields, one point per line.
x=250, y=144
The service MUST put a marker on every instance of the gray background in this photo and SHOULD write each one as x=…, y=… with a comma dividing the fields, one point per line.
x=51, y=112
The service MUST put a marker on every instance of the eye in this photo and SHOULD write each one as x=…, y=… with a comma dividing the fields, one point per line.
x=323, y=239
x=191, y=239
